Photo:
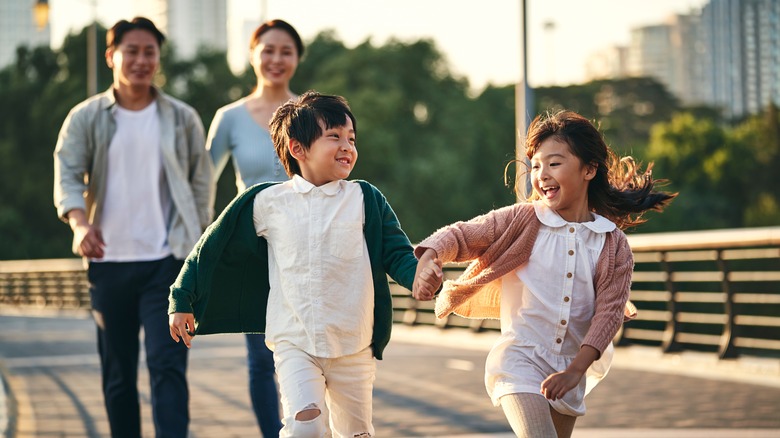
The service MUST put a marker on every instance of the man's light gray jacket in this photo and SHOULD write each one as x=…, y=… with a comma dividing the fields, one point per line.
x=81, y=160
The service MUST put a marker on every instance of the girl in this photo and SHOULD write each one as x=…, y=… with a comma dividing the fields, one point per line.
x=555, y=270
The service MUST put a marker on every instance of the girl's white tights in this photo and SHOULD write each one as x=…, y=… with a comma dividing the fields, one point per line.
x=531, y=416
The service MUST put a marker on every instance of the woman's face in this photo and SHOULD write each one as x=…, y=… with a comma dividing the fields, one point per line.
x=275, y=58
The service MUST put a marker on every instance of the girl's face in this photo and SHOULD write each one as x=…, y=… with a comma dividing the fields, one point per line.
x=561, y=179
x=275, y=58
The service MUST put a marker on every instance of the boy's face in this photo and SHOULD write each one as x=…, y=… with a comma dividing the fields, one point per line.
x=331, y=157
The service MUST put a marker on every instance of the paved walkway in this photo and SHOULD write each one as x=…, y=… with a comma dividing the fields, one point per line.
x=429, y=385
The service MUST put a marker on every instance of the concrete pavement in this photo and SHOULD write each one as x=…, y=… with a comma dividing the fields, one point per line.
x=429, y=385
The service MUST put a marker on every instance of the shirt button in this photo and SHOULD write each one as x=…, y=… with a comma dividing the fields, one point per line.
x=558, y=341
x=563, y=322
x=571, y=229
x=568, y=275
x=571, y=252
x=565, y=299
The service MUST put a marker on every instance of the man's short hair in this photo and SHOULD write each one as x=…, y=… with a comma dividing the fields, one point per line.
x=117, y=32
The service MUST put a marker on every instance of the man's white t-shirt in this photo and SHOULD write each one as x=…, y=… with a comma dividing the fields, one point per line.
x=137, y=205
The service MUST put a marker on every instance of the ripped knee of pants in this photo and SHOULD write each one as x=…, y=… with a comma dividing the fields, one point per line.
x=308, y=423
x=310, y=412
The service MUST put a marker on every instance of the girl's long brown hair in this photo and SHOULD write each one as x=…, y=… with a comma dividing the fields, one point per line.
x=620, y=191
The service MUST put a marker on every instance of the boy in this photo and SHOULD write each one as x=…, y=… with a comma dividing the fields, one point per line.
x=315, y=281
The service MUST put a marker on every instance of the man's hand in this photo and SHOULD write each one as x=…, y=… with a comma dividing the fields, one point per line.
x=87, y=240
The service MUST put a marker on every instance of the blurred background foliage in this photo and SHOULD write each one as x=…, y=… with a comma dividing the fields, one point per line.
x=436, y=150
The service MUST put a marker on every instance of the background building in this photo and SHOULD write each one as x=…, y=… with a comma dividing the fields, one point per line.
x=17, y=28
x=188, y=24
x=727, y=55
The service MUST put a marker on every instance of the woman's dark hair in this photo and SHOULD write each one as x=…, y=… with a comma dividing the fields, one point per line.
x=276, y=24
x=300, y=119
x=619, y=191
x=117, y=32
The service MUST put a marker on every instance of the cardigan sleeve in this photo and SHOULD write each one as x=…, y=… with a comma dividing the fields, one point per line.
x=464, y=241
x=398, y=257
x=183, y=290
x=613, y=283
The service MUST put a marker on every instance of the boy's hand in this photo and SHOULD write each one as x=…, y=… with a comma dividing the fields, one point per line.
x=428, y=277
x=182, y=326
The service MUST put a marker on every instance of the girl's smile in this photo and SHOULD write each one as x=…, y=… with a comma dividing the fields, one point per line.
x=561, y=180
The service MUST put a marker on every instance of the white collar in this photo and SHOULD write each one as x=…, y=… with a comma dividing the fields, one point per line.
x=552, y=219
x=301, y=185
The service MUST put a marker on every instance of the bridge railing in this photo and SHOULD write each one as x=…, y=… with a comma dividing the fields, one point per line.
x=715, y=291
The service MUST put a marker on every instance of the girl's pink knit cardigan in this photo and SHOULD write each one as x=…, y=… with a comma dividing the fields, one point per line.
x=501, y=241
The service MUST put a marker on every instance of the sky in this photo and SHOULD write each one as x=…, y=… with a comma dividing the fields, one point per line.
x=480, y=40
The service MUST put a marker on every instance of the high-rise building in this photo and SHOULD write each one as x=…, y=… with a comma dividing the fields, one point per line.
x=727, y=55
x=18, y=28
x=670, y=53
x=188, y=24
x=609, y=63
x=742, y=63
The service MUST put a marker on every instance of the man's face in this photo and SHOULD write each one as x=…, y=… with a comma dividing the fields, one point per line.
x=135, y=60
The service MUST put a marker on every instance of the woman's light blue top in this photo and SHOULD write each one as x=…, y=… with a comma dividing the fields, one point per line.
x=235, y=133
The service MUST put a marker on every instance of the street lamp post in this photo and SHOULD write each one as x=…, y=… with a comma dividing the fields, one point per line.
x=41, y=13
x=522, y=94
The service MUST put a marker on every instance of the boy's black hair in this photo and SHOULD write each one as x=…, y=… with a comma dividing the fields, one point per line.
x=299, y=119
x=117, y=32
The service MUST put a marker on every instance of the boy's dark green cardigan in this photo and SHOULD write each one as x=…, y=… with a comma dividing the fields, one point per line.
x=224, y=281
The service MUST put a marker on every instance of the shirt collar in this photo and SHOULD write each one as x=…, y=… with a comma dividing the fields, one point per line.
x=301, y=185
x=549, y=217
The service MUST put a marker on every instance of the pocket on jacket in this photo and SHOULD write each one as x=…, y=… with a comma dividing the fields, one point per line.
x=346, y=240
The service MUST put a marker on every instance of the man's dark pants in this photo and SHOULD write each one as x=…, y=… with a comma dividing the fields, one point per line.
x=127, y=296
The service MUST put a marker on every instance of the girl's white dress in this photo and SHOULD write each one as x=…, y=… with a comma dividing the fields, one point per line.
x=546, y=309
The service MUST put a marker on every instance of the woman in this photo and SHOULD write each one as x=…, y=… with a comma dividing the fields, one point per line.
x=240, y=130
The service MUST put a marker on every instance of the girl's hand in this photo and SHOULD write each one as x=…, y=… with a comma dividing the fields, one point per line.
x=182, y=325
x=428, y=277
x=556, y=385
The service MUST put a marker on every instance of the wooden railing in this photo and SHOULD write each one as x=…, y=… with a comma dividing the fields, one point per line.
x=715, y=291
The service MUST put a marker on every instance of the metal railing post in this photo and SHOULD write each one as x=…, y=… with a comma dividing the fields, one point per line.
x=669, y=343
x=727, y=349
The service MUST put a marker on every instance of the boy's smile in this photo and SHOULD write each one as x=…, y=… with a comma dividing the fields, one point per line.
x=330, y=157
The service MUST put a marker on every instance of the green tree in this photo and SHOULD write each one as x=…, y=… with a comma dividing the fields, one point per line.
x=758, y=175
x=36, y=93
x=703, y=163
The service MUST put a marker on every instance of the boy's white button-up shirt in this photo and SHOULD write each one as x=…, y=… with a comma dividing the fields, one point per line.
x=322, y=295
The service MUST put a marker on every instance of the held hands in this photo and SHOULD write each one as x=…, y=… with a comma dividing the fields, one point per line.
x=182, y=326
x=428, y=277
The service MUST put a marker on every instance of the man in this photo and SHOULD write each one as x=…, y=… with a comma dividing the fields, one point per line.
x=133, y=180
